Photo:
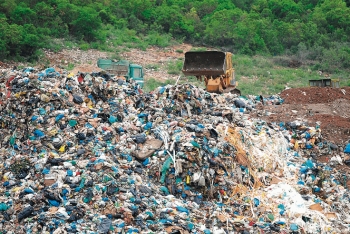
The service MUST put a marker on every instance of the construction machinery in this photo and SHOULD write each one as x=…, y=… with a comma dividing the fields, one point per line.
x=214, y=67
x=123, y=68
x=335, y=83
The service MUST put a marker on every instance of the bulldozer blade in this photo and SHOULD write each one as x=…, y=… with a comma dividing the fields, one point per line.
x=204, y=63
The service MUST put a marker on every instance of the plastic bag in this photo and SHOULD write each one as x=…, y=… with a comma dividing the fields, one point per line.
x=77, y=99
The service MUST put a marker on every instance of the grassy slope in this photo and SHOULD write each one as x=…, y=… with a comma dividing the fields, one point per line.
x=260, y=75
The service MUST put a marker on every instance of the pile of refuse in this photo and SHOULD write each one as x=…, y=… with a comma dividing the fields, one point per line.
x=92, y=153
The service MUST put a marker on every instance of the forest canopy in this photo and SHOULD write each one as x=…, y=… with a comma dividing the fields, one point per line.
x=315, y=30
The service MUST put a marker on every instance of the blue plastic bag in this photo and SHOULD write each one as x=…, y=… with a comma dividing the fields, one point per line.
x=112, y=119
x=54, y=203
x=59, y=117
x=148, y=126
x=182, y=209
x=38, y=133
x=347, y=149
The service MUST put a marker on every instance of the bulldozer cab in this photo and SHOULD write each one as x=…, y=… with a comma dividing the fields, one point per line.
x=215, y=67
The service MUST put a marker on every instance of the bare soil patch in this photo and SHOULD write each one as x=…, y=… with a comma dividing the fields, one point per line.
x=329, y=107
x=154, y=60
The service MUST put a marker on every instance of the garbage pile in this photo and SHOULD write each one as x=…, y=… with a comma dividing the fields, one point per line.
x=91, y=153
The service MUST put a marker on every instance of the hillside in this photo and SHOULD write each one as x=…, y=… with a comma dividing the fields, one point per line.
x=312, y=33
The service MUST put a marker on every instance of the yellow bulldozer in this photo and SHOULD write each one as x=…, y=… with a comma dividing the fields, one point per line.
x=214, y=67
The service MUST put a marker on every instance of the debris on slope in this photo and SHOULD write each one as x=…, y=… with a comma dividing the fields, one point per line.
x=90, y=153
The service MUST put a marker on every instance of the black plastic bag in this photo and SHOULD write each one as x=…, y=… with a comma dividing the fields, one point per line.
x=239, y=103
x=25, y=213
x=105, y=225
x=77, y=99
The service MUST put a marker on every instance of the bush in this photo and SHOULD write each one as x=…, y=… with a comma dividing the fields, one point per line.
x=151, y=84
x=156, y=39
x=175, y=67
x=70, y=66
x=84, y=46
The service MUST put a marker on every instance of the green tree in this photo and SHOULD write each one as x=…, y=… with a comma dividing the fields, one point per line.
x=3, y=39
x=243, y=4
x=270, y=35
x=260, y=5
x=7, y=6
x=285, y=9
x=248, y=35
x=220, y=27
x=136, y=24
x=11, y=37
x=331, y=15
x=67, y=12
x=167, y=16
x=31, y=40
x=193, y=25
x=139, y=8
x=225, y=5
x=23, y=14
x=205, y=8
x=87, y=24
x=107, y=17
x=44, y=13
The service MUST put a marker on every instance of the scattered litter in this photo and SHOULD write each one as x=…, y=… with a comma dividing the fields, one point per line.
x=91, y=153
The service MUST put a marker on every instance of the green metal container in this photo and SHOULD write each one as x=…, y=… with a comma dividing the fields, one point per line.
x=123, y=68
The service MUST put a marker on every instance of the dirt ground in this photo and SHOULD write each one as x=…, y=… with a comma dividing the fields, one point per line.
x=154, y=60
x=329, y=107
x=158, y=58
x=312, y=95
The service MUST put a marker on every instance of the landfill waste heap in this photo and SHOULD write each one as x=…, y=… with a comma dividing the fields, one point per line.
x=90, y=153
